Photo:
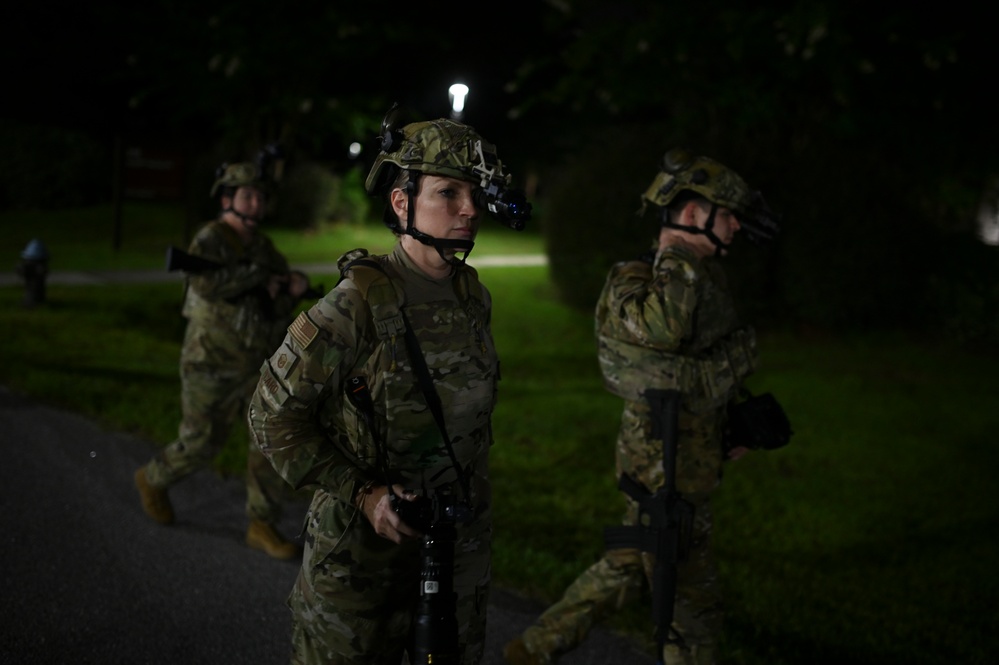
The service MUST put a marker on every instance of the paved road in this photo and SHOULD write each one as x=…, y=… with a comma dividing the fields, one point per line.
x=86, y=577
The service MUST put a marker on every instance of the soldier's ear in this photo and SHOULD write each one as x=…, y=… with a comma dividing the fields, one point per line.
x=399, y=201
x=693, y=211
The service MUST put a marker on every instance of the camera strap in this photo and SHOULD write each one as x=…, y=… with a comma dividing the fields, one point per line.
x=433, y=401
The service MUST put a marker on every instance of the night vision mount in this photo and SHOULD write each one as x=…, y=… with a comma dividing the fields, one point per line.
x=509, y=206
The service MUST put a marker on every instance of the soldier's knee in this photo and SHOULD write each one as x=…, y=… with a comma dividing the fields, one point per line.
x=624, y=559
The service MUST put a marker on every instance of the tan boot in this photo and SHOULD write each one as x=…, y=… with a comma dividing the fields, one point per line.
x=155, y=501
x=515, y=653
x=263, y=536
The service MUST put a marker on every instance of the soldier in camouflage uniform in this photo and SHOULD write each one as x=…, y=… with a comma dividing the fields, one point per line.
x=236, y=314
x=667, y=321
x=340, y=406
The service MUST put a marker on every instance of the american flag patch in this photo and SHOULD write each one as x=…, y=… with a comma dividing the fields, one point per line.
x=303, y=330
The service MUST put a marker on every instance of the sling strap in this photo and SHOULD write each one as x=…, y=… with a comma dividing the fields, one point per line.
x=419, y=367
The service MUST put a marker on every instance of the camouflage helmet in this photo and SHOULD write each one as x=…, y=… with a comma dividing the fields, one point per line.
x=683, y=171
x=234, y=176
x=439, y=147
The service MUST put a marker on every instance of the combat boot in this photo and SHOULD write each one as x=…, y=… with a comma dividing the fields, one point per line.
x=263, y=536
x=515, y=653
x=155, y=500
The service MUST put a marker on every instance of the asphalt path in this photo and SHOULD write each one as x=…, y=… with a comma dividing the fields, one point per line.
x=86, y=577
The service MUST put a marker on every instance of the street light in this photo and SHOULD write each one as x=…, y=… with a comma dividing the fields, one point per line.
x=457, y=94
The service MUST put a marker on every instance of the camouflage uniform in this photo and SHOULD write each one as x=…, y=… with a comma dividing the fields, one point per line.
x=232, y=325
x=355, y=596
x=670, y=324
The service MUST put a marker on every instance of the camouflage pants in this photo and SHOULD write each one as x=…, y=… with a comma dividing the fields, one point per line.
x=616, y=579
x=355, y=597
x=212, y=402
x=612, y=580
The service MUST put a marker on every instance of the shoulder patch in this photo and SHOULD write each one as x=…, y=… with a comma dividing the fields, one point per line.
x=303, y=330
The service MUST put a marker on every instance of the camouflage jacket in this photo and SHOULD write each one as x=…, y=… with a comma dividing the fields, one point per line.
x=671, y=324
x=304, y=422
x=230, y=307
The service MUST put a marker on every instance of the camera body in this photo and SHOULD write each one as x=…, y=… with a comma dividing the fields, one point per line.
x=435, y=625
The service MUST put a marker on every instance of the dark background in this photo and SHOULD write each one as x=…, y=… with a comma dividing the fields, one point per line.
x=872, y=131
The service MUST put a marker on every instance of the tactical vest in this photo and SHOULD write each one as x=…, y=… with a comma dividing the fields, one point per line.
x=385, y=301
x=397, y=385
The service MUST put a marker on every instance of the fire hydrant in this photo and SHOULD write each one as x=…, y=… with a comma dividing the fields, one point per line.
x=34, y=269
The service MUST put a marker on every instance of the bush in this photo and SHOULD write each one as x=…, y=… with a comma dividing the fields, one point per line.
x=591, y=206
x=963, y=291
x=312, y=196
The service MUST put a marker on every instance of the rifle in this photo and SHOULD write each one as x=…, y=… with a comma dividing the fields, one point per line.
x=665, y=520
x=178, y=259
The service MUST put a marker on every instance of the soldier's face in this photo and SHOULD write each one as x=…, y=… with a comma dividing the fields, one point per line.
x=249, y=202
x=444, y=208
x=724, y=227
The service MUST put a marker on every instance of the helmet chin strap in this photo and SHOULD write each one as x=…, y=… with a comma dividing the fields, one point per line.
x=442, y=246
x=439, y=244
x=243, y=218
x=708, y=229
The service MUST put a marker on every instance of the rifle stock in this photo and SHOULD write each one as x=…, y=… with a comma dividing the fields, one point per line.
x=178, y=259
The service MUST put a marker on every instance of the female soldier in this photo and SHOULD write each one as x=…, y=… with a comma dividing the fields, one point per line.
x=346, y=405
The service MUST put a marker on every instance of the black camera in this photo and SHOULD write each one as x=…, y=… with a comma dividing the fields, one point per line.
x=434, y=636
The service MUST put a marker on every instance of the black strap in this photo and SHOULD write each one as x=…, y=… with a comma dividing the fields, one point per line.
x=361, y=261
x=433, y=400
